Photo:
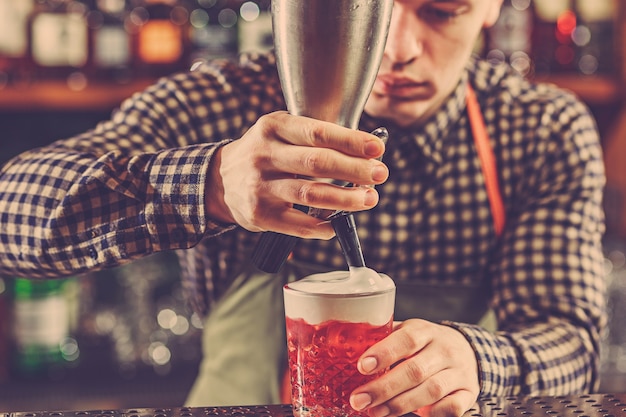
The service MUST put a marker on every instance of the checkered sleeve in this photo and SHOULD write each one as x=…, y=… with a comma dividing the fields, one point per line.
x=131, y=186
x=548, y=282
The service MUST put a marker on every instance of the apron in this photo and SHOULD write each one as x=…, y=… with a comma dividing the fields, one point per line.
x=243, y=342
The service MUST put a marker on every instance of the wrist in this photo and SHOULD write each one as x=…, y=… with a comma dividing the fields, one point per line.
x=215, y=206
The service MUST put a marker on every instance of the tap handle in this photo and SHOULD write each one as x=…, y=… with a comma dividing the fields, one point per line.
x=273, y=249
x=345, y=229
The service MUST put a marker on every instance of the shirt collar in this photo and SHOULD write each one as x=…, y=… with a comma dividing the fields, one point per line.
x=429, y=137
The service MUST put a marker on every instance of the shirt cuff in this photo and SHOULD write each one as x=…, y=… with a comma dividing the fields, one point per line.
x=175, y=209
x=498, y=366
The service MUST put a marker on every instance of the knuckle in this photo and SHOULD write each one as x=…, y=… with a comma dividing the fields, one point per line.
x=313, y=162
x=395, y=409
x=318, y=135
x=450, y=408
x=307, y=194
x=265, y=123
x=415, y=371
x=257, y=210
x=436, y=389
x=455, y=409
x=255, y=215
x=305, y=232
x=403, y=404
x=410, y=343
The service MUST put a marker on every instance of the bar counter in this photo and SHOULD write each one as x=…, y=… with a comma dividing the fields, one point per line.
x=594, y=405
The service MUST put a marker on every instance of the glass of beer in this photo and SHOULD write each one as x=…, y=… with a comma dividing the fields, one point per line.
x=331, y=319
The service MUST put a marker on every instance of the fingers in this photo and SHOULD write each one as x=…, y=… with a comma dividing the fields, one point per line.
x=329, y=163
x=431, y=365
x=442, y=394
x=296, y=223
x=304, y=131
x=407, y=339
x=275, y=215
x=455, y=404
x=325, y=196
x=323, y=150
x=272, y=212
x=278, y=163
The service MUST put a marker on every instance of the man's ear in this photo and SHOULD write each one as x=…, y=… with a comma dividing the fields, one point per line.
x=492, y=13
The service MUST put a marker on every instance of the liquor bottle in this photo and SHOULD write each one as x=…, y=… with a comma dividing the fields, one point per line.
x=42, y=327
x=110, y=40
x=4, y=332
x=59, y=38
x=594, y=36
x=162, y=44
x=13, y=38
x=553, y=48
x=510, y=38
x=255, y=27
x=214, y=31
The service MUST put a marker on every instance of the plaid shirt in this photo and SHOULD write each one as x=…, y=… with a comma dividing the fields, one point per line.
x=135, y=185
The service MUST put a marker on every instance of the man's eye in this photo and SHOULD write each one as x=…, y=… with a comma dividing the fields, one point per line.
x=441, y=15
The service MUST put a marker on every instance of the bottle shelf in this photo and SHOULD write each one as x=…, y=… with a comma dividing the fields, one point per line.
x=56, y=95
x=590, y=88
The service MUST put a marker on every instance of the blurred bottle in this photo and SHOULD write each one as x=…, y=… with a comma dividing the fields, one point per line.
x=594, y=36
x=213, y=33
x=255, y=27
x=59, y=41
x=553, y=48
x=510, y=39
x=13, y=39
x=4, y=332
x=162, y=38
x=110, y=40
x=43, y=317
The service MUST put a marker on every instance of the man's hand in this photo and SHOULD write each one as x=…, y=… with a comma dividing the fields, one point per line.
x=256, y=180
x=434, y=366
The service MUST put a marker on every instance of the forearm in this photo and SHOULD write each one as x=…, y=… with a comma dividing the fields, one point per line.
x=64, y=213
x=132, y=186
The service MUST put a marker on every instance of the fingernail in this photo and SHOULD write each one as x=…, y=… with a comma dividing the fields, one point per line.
x=372, y=147
x=360, y=401
x=368, y=364
x=379, y=172
x=371, y=198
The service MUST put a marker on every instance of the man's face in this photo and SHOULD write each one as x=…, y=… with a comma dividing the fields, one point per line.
x=429, y=44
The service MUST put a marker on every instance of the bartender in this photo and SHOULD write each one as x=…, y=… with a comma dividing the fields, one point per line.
x=489, y=219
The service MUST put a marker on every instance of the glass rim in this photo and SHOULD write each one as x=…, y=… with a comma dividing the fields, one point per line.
x=295, y=291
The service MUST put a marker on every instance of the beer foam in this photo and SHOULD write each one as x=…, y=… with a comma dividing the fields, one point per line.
x=360, y=295
x=355, y=281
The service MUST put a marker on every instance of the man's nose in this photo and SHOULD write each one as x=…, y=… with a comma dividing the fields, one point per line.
x=404, y=41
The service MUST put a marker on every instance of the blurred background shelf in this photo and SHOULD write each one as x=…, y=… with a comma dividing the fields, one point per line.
x=101, y=96
x=594, y=90
x=57, y=96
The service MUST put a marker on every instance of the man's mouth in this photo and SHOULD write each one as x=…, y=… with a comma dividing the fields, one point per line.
x=399, y=87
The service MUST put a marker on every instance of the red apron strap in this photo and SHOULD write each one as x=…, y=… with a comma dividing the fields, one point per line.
x=487, y=160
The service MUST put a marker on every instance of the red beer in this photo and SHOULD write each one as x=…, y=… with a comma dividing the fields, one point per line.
x=322, y=360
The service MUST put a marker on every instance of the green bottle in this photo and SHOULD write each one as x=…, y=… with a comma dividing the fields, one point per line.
x=42, y=325
x=4, y=332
